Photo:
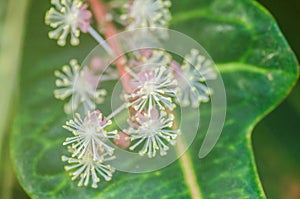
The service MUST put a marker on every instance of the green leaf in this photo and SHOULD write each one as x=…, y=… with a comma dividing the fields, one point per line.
x=258, y=69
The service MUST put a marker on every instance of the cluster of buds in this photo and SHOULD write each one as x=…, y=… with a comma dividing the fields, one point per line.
x=89, y=148
x=157, y=85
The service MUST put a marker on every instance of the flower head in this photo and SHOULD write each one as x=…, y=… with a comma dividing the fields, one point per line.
x=147, y=13
x=89, y=135
x=148, y=59
x=153, y=133
x=191, y=77
x=77, y=84
x=152, y=88
x=68, y=17
x=87, y=168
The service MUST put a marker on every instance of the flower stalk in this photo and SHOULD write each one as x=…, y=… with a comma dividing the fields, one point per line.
x=99, y=10
x=100, y=40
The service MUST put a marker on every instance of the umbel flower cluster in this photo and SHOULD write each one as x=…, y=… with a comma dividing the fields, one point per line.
x=155, y=85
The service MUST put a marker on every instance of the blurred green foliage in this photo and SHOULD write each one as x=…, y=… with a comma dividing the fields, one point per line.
x=276, y=139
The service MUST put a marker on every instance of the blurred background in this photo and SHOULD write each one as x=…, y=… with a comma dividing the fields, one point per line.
x=276, y=139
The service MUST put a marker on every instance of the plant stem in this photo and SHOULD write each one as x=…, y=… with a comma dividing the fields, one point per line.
x=99, y=10
x=100, y=40
x=116, y=112
x=14, y=14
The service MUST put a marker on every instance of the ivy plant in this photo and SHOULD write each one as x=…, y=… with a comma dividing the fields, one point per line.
x=258, y=69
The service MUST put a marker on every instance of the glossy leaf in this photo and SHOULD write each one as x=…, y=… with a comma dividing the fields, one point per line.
x=258, y=69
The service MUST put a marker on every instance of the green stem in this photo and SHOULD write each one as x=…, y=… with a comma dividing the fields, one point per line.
x=10, y=53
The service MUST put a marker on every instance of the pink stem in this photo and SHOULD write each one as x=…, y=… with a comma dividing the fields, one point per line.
x=99, y=10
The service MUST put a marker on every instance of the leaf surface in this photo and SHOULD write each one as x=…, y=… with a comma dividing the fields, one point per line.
x=258, y=69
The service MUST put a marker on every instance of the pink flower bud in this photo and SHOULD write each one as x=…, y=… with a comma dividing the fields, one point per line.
x=124, y=140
